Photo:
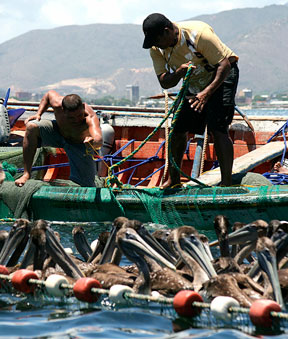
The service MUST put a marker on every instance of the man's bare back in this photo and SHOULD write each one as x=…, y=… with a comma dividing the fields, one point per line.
x=76, y=121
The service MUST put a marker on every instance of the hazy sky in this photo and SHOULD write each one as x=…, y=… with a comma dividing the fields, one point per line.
x=20, y=16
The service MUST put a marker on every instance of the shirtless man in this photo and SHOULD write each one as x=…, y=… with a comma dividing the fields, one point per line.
x=76, y=126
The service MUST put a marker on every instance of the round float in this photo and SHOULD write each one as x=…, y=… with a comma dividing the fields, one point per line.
x=4, y=270
x=53, y=285
x=182, y=303
x=116, y=293
x=20, y=280
x=260, y=312
x=82, y=289
x=220, y=307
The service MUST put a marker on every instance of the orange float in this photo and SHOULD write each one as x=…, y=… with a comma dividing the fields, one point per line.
x=182, y=303
x=20, y=280
x=82, y=289
x=260, y=312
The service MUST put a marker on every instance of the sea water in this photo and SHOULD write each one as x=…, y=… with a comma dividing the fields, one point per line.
x=45, y=317
x=266, y=111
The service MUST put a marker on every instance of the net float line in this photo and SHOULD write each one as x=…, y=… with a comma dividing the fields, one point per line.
x=186, y=303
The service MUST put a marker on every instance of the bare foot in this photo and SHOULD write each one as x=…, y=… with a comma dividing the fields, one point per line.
x=278, y=168
x=169, y=184
x=21, y=181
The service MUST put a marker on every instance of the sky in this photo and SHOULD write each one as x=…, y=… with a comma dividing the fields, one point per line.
x=20, y=16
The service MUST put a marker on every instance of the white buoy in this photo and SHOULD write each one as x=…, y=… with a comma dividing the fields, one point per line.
x=53, y=285
x=94, y=244
x=220, y=307
x=116, y=293
x=4, y=124
x=68, y=250
x=108, y=136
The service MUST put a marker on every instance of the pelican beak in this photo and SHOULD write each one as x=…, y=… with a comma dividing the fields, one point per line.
x=109, y=247
x=135, y=242
x=16, y=241
x=194, y=247
x=243, y=235
x=149, y=239
x=58, y=254
x=81, y=244
x=268, y=264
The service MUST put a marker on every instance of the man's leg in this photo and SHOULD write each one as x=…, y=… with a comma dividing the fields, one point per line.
x=2, y=174
x=225, y=154
x=178, y=146
x=30, y=143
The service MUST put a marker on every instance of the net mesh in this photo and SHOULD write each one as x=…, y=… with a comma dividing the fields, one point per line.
x=237, y=318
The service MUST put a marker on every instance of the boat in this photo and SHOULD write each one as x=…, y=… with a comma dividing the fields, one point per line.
x=132, y=188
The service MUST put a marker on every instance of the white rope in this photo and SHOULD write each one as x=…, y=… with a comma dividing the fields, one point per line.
x=166, y=137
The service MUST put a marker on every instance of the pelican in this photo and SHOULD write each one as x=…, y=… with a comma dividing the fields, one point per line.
x=266, y=253
x=15, y=243
x=225, y=263
x=186, y=243
x=81, y=242
x=46, y=242
x=98, y=251
x=3, y=236
x=149, y=262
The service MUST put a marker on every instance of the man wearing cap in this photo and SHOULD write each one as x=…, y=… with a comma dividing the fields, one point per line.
x=213, y=83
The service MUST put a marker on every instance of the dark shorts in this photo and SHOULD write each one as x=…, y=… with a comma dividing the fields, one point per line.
x=82, y=166
x=218, y=112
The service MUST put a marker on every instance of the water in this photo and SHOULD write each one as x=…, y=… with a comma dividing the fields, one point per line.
x=45, y=317
x=266, y=111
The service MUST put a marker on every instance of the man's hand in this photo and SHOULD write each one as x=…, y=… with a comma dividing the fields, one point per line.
x=89, y=141
x=182, y=70
x=33, y=117
x=198, y=102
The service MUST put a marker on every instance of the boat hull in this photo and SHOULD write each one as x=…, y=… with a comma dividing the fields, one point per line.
x=171, y=207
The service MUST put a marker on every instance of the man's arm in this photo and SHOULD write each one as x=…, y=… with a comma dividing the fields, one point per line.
x=94, y=128
x=202, y=97
x=168, y=80
x=50, y=99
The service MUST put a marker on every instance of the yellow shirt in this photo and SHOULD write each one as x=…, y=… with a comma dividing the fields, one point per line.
x=197, y=43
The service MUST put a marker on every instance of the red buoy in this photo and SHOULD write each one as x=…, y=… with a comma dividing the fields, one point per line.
x=182, y=303
x=82, y=289
x=20, y=280
x=4, y=270
x=260, y=312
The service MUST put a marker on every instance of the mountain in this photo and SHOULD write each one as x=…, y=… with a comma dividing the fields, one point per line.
x=101, y=59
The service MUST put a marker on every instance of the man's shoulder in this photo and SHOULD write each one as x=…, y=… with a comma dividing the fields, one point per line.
x=192, y=25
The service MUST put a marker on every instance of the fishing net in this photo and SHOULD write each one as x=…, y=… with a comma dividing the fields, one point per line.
x=202, y=316
x=13, y=156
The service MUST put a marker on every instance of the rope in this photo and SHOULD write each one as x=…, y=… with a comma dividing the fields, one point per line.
x=175, y=108
x=181, y=97
x=203, y=151
x=166, y=138
x=131, y=295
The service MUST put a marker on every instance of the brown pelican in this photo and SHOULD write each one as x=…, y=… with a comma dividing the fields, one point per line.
x=266, y=253
x=187, y=244
x=98, y=251
x=235, y=285
x=81, y=242
x=15, y=243
x=3, y=236
x=46, y=243
x=225, y=263
x=152, y=274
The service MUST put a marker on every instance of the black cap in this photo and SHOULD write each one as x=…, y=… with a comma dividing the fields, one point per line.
x=154, y=26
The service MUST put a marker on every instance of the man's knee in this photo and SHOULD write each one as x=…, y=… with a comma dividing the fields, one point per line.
x=32, y=129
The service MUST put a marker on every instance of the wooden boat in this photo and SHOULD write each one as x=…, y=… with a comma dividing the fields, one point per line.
x=140, y=197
